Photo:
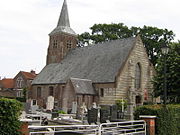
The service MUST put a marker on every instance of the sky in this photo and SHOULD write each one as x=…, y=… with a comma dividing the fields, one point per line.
x=25, y=25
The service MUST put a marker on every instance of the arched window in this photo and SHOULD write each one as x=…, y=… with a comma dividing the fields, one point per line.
x=51, y=91
x=137, y=82
x=38, y=92
x=19, y=82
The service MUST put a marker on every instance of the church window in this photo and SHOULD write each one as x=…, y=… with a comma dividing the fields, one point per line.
x=102, y=92
x=51, y=91
x=69, y=44
x=38, y=92
x=19, y=82
x=55, y=44
x=138, y=76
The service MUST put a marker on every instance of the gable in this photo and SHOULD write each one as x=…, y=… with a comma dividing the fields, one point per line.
x=83, y=86
x=99, y=63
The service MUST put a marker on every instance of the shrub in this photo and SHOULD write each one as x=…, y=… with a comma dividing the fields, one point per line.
x=167, y=121
x=10, y=110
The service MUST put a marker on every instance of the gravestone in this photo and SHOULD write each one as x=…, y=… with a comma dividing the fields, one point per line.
x=105, y=113
x=113, y=111
x=50, y=103
x=74, y=107
x=92, y=115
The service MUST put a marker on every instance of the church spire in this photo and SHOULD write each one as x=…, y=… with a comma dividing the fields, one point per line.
x=63, y=25
x=64, y=17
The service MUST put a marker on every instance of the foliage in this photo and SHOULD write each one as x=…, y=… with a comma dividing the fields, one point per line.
x=120, y=103
x=61, y=112
x=167, y=121
x=172, y=74
x=152, y=37
x=9, y=113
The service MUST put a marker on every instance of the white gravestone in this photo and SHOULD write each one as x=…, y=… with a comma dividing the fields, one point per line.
x=74, y=107
x=50, y=103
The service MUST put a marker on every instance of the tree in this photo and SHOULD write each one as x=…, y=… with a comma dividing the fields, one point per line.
x=173, y=74
x=152, y=37
x=10, y=110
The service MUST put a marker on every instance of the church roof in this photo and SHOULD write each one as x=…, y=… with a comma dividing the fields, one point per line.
x=63, y=25
x=83, y=86
x=99, y=63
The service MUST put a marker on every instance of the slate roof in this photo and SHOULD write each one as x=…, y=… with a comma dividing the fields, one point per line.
x=63, y=25
x=83, y=86
x=99, y=63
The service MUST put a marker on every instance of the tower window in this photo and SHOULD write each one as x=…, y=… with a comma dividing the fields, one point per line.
x=69, y=44
x=137, y=76
x=55, y=44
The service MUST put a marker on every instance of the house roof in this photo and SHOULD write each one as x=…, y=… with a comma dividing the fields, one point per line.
x=7, y=83
x=83, y=86
x=99, y=63
x=28, y=75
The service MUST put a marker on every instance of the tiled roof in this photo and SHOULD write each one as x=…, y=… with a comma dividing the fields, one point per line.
x=99, y=63
x=7, y=83
x=28, y=75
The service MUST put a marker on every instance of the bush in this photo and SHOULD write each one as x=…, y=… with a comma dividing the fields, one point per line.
x=10, y=110
x=167, y=121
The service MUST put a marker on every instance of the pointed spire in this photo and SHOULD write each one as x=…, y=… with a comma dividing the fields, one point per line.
x=64, y=17
x=63, y=22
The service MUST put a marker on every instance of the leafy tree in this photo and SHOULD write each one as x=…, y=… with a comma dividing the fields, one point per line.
x=152, y=37
x=172, y=73
x=9, y=114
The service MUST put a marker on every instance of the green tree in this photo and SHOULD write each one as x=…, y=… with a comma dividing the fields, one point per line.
x=152, y=37
x=172, y=73
x=10, y=110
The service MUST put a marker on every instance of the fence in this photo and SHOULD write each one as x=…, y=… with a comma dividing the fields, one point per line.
x=110, y=128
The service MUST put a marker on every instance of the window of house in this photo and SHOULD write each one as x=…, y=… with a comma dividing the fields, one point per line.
x=38, y=92
x=55, y=44
x=19, y=82
x=102, y=92
x=51, y=91
x=138, y=76
x=69, y=44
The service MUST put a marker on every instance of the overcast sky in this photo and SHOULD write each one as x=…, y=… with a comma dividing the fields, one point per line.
x=25, y=25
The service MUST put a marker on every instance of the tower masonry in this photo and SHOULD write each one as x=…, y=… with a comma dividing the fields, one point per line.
x=61, y=39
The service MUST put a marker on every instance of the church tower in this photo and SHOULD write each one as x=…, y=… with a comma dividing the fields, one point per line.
x=61, y=39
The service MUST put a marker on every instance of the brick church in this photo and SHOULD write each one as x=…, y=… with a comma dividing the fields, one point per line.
x=101, y=73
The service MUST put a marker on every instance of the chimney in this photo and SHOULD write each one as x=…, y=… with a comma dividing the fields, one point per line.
x=33, y=72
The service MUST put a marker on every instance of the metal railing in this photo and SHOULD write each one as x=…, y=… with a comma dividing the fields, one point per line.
x=51, y=130
x=111, y=128
x=123, y=128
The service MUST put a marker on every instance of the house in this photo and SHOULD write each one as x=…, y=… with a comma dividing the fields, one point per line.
x=101, y=73
x=14, y=87
x=6, y=87
x=23, y=81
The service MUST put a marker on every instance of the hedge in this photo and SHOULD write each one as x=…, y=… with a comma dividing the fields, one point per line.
x=168, y=118
x=10, y=110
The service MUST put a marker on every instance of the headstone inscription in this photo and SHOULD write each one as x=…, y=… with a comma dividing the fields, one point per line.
x=113, y=111
x=50, y=103
x=92, y=115
x=104, y=113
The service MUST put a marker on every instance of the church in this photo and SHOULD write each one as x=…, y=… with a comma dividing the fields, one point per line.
x=102, y=73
